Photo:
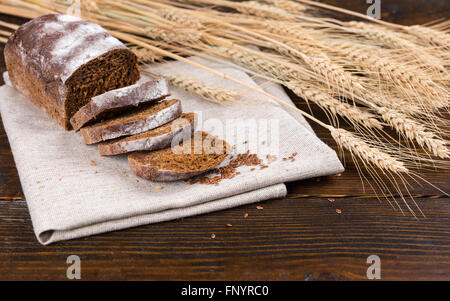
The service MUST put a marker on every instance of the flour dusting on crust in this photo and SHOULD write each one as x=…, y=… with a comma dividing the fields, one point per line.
x=62, y=44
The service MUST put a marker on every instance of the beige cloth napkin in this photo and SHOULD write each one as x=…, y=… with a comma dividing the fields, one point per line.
x=68, y=197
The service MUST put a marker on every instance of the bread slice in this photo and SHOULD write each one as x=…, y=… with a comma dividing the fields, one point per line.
x=111, y=102
x=199, y=154
x=155, y=139
x=143, y=119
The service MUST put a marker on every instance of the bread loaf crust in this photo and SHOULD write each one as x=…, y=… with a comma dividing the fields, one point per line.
x=47, y=55
x=151, y=173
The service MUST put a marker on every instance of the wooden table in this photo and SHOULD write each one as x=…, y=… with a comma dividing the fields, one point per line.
x=300, y=237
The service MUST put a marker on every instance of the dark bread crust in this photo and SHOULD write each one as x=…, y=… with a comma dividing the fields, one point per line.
x=33, y=87
x=155, y=139
x=46, y=66
x=133, y=123
x=154, y=174
x=142, y=166
x=119, y=100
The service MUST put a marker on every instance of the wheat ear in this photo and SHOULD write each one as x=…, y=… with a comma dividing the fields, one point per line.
x=433, y=36
x=389, y=70
x=368, y=154
x=255, y=8
x=180, y=18
x=416, y=131
x=352, y=113
x=145, y=55
x=177, y=35
x=260, y=64
x=321, y=64
x=377, y=33
x=213, y=94
x=288, y=6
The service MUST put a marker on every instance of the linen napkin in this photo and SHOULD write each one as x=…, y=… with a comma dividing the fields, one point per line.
x=72, y=191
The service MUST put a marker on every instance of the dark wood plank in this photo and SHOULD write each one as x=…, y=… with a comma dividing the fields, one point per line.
x=290, y=239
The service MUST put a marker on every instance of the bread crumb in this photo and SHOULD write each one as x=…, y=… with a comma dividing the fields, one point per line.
x=338, y=211
x=159, y=187
x=331, y=200
x=259, y=207
x=96, y=171
x=229, y=225
x=137, y=181
x=229, y=171
x=264, y=142
x=60, y=179
x=252, y=169
x=38, y=182
x=81, y=170
x=213, y=235
x=294, y=154
x=92, y=163
x=338, y=175
x=245, y=215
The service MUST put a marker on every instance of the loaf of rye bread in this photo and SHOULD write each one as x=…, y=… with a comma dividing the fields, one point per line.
x=143, y=119
x=202, y=153
x=155, y=139
x=60, y=62
x=112, y=102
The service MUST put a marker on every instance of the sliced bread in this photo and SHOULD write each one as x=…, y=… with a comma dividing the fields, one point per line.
x=140, y=120
x=155, y=139
x=200, y=154
x=111, y=102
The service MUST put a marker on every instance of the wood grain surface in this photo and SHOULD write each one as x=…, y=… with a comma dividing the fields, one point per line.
x=300, y=237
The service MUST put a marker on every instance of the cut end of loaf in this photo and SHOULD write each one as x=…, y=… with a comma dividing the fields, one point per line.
x=113, y=70
x=111, y=103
